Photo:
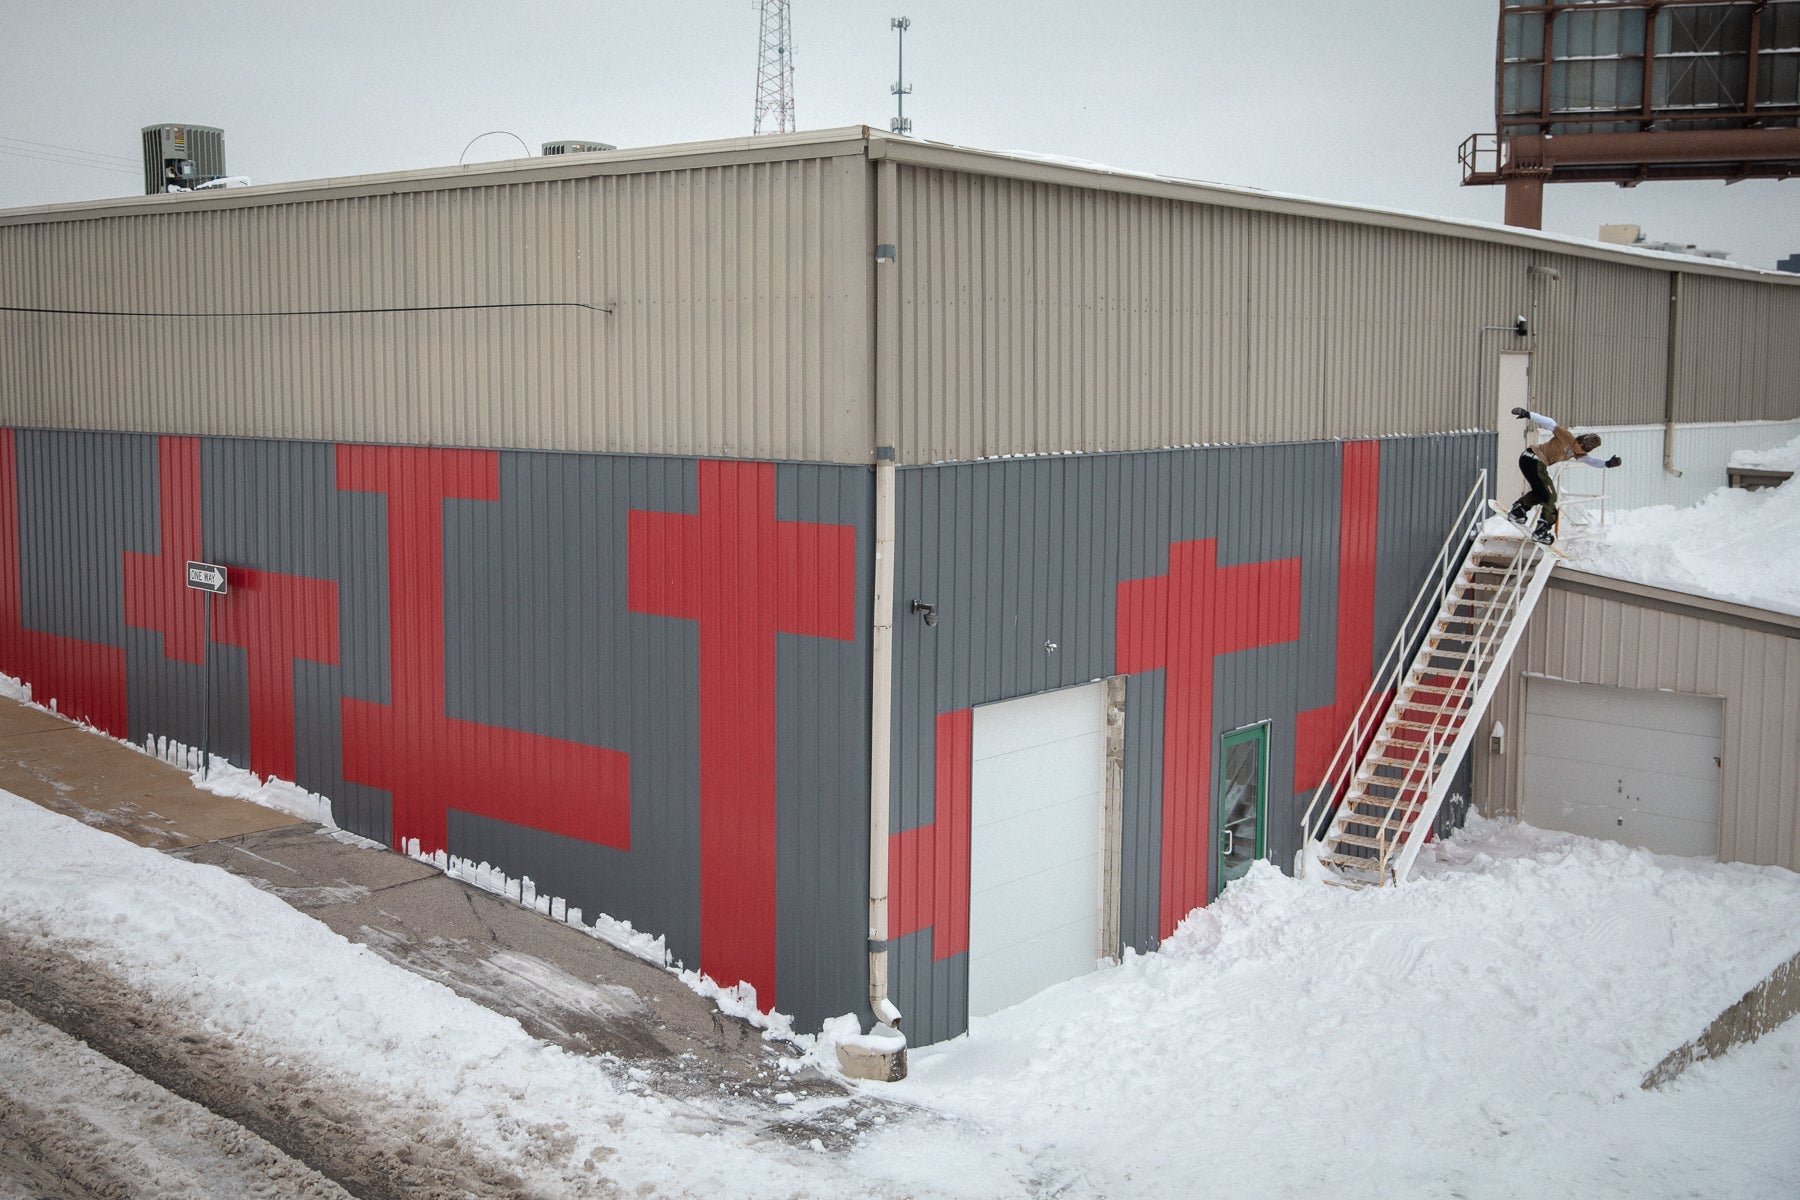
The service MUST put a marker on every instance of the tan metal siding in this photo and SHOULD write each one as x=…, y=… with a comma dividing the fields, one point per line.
x=1739, y=352
x=739, y=322
x=1617, y=642
x=1043, y=309
x=1601, y=345
x=1042, y=318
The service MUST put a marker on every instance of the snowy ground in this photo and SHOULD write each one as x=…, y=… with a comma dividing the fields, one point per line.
x=1481, y=1032
x=1735, y=545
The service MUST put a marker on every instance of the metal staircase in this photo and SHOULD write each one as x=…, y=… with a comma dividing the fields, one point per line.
x=1366, y=823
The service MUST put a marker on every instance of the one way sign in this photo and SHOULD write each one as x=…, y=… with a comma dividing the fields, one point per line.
x=207, y=577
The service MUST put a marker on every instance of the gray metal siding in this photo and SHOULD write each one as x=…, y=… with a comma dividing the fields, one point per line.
x=1022, y=552
x=736, y=324
x=822, y=773
x=538, y=637
x=1619, y=639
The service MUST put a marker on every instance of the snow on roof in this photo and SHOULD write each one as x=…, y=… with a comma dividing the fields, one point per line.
x=1778, y=458
x=1736, y=545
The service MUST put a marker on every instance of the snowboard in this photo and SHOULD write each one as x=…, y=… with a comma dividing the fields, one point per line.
x=1552, y=548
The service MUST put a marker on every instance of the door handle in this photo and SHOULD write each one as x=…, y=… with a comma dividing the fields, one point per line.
x=1225, y=846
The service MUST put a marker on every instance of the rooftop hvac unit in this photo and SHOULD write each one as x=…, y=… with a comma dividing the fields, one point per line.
x=574, y=147
x=177, y=157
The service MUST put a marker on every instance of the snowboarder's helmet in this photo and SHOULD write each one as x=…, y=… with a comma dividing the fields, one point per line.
x=1589, y=442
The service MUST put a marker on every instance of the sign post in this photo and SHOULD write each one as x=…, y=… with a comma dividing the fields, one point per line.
x=208, y=578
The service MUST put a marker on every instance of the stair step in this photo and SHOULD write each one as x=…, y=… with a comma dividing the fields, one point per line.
x=1399, y=824
x=1346, y=862
x=1392, y=725
x=1357, y=839
x=1389, y=806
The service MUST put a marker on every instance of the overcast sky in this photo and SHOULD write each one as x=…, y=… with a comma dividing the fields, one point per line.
x=1359, y=102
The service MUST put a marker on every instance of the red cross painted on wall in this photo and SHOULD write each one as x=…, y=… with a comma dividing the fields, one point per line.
x=1318, y=731
x=1181, y=622
x=928, y=866
x=157, y=596
x=85, y=679
x=428, y=761
x=744, y=577
x=276, y=618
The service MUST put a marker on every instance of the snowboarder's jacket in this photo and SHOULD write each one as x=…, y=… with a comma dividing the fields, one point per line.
x=1561, y=445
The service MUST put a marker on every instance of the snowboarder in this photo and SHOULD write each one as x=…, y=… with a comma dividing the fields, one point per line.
x=1535, y=463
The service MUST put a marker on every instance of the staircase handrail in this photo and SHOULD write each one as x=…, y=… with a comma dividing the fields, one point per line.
x=1522, y=575
x=1371, y=710
x=1422, y=776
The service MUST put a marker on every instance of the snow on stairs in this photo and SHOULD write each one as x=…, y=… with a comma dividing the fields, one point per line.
x=1392, y=796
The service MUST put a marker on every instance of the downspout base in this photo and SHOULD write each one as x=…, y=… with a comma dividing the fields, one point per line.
x=879, y=1055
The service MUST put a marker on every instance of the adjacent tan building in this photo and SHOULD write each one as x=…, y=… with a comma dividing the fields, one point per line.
x=1727, y=674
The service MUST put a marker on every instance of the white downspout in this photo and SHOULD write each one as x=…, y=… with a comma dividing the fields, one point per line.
x=881, y=639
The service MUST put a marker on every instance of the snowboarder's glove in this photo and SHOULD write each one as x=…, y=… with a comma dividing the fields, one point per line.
x=1614, y=461
x=1521, y=414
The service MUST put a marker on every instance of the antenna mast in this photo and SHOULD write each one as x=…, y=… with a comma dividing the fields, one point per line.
x=775, y=70
x=901, y=89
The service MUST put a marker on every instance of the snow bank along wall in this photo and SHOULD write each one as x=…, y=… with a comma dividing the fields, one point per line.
x=549, y=493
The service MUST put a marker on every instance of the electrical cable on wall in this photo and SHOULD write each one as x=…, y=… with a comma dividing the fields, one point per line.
x=307, y=312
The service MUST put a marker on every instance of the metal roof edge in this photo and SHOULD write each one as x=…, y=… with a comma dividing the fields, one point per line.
x=1766, y=620
x=877, y=144
x=781, y=147
x=1031, y=168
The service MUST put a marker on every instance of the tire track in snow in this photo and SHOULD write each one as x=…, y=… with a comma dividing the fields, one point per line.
x=73, y=1123
x=369, y=1147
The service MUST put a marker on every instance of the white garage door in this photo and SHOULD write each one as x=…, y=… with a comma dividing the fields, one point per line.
x=1636, y=767
x=1037, y=806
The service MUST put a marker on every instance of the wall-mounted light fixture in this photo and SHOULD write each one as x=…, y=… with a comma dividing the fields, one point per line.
x=928, y=611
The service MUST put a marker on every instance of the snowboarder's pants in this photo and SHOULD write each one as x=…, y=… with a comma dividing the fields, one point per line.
x=1538, y=487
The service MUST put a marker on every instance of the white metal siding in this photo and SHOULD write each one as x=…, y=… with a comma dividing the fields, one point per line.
x=1701, y=452
x=1637, y=767
x=1037, y=800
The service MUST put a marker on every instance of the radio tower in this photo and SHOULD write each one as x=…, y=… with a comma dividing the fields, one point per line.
x=775, y=71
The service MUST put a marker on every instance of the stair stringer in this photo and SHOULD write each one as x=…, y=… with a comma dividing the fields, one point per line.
x=1484, y=695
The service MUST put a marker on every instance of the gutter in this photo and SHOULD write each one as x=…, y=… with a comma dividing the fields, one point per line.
x=1671, y=364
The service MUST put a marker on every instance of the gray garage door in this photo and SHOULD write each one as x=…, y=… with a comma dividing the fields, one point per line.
x=1632, y=766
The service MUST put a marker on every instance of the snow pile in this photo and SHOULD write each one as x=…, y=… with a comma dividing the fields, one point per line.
x=1735, y=545
x=234, y=782
x=1481, y=1032
x=1777, y=458
x=217, y=953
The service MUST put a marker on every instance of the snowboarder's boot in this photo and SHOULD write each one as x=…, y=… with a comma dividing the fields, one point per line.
x=1543, y=535
x=1516, y=514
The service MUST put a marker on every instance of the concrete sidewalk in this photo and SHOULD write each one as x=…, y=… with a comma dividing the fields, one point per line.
x=561, y=984
x=94, y=779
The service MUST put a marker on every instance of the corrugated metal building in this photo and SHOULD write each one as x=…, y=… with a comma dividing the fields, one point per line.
x=773, y=542
x=1657, y=718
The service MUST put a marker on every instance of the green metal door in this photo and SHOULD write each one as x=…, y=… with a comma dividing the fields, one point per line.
x=1242, y=803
